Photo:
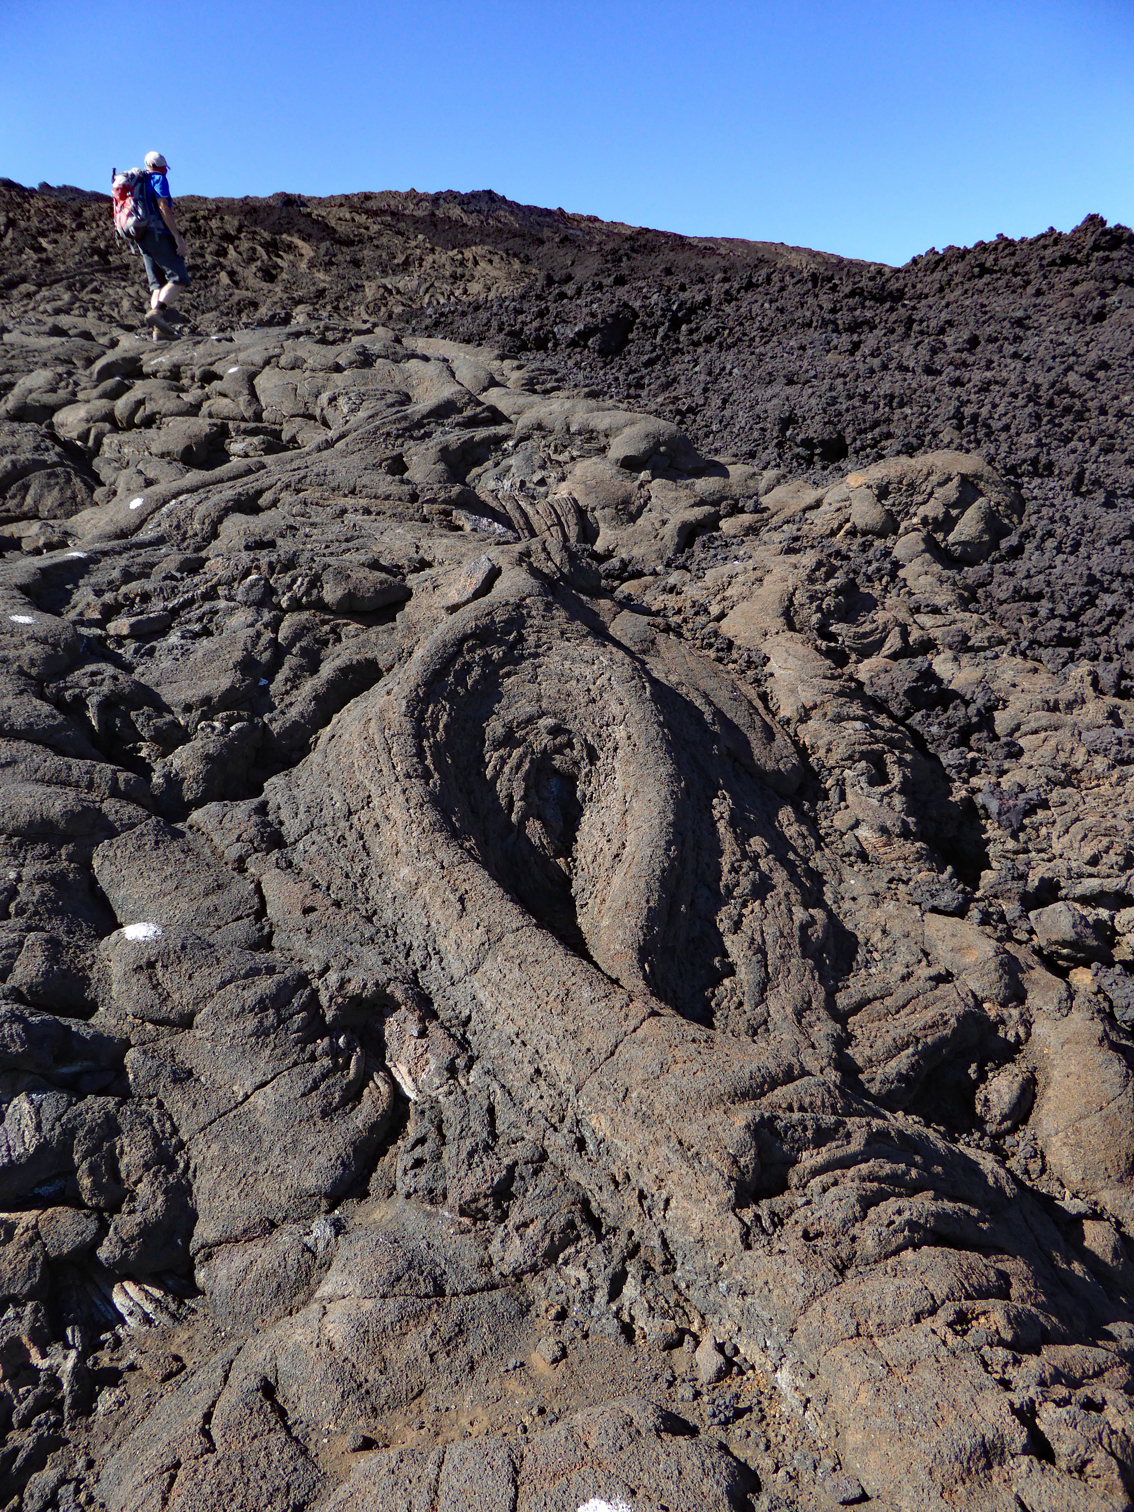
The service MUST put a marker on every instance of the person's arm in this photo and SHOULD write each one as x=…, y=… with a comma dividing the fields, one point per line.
x=165, y=210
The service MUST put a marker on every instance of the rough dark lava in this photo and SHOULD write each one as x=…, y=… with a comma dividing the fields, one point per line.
x=567, y=891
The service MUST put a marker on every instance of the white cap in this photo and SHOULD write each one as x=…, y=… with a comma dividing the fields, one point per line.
x=155, y=162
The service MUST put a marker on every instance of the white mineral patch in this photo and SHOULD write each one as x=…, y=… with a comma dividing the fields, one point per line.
x=232, y=370
x=137, y=503
x=597, y=1505
x=404, y=1079
x=142, y=931
x=22, y=619
x=79, y=555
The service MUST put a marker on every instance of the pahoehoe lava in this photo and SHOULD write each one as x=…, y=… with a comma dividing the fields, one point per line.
x=567, y=897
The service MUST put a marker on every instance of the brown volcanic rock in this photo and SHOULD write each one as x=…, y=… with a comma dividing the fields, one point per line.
x=538, y=964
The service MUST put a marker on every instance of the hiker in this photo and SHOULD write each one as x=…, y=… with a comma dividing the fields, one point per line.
x=162, y=247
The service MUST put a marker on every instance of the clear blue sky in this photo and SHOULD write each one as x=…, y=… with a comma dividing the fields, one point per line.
x=875, y=129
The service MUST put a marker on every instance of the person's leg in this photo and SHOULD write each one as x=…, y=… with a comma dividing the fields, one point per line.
x=165, y=269
x=176, y=273
x=155, y=274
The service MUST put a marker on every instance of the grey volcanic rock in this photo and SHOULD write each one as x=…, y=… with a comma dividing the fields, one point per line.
x=539, y=964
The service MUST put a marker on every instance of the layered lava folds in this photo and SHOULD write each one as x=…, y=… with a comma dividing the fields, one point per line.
x=593, y=791
x=588, y=886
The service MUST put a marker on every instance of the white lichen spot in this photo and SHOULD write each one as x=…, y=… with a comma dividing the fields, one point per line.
x=22, y=619
x=596, y=1504
x=78, y=555
x=137, y=503
x=231, y=371
x=142, y=931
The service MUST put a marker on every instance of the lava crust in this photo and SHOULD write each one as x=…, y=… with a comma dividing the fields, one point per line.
x=567, y=922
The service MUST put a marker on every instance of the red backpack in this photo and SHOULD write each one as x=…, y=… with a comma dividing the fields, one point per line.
x=132, y=202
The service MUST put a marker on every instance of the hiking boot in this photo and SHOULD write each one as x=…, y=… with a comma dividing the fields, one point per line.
x=156, y=319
